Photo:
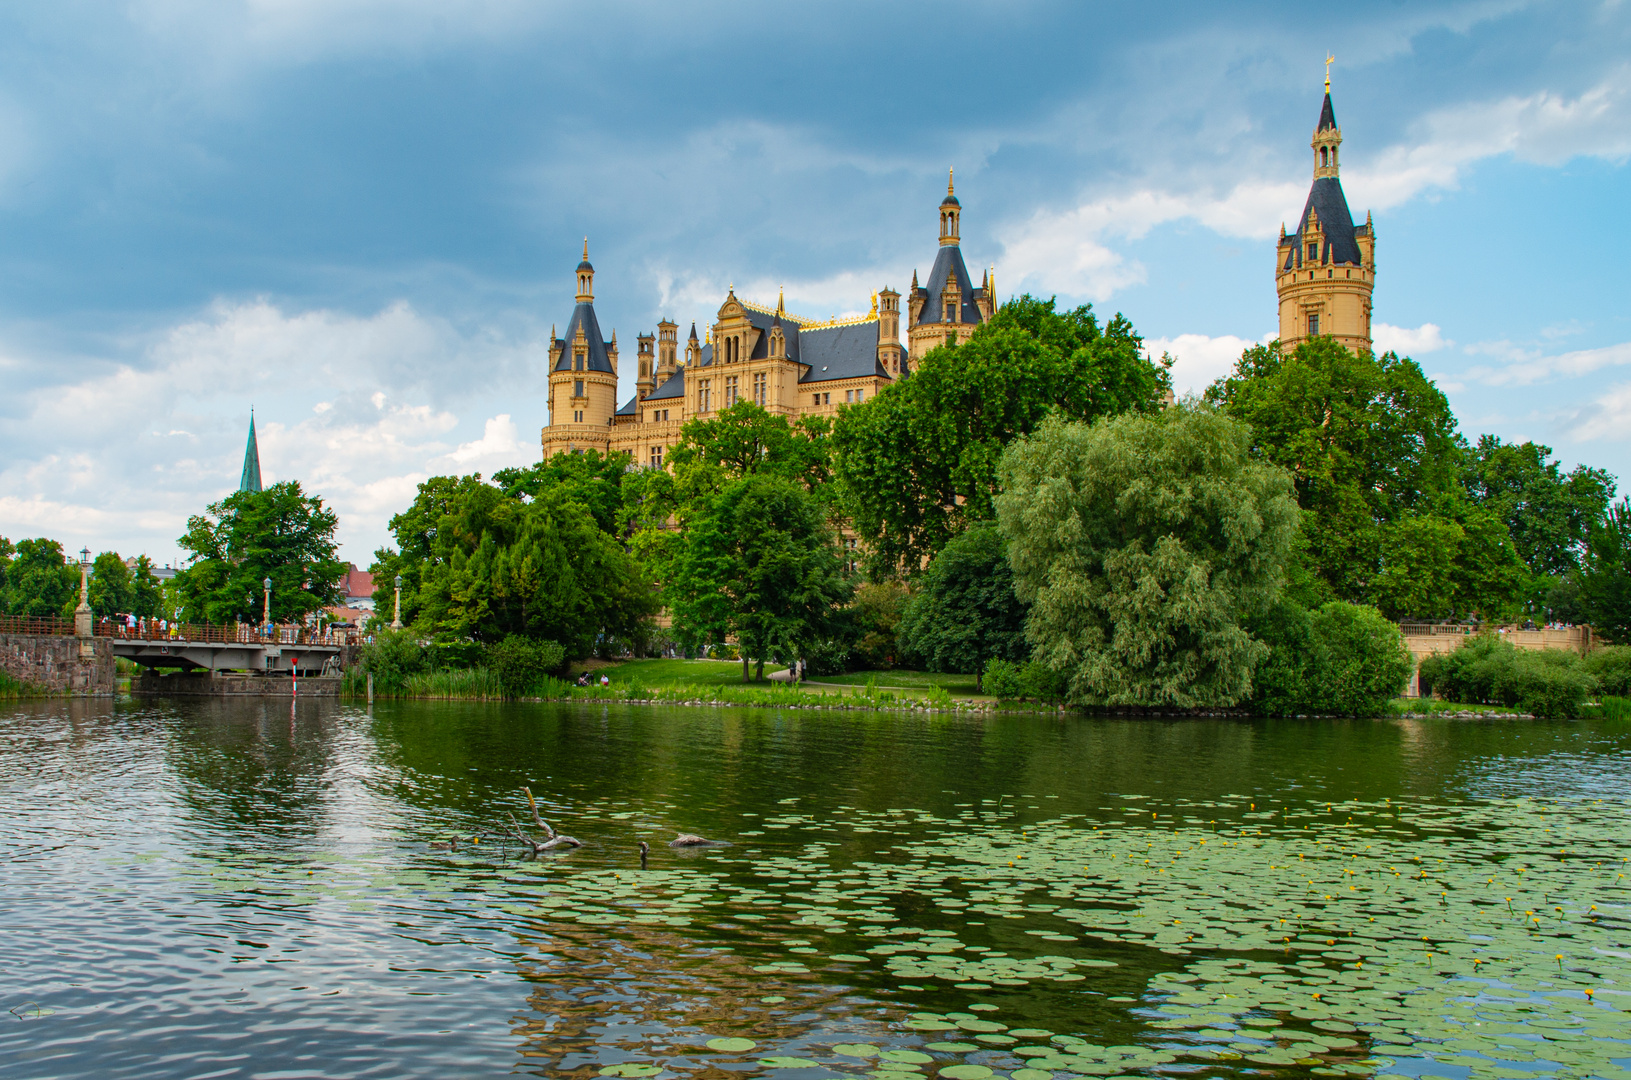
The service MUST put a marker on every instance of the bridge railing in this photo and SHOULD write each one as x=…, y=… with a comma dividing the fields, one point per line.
x=22, y=624
x=237, y=633
x=151, y=630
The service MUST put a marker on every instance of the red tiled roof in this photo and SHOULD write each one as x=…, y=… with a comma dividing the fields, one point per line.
x=359, y=583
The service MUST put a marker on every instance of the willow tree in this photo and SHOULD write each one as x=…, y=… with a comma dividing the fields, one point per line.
x=1143, y=544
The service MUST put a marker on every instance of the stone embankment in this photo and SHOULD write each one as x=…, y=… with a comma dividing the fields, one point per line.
x=53, y=664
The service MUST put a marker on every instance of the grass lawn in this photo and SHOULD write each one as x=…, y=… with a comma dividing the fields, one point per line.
x=956, y=685
x=678, y=672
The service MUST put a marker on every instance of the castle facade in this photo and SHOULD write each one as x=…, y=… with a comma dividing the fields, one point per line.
x=1324, y=272
x=788, y=364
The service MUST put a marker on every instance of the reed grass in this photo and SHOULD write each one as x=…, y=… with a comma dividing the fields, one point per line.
x=12, y=689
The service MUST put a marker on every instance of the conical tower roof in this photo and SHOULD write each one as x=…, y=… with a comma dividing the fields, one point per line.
x=251, y=480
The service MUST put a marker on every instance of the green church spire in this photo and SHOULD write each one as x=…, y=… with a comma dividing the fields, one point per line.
x=252, y=461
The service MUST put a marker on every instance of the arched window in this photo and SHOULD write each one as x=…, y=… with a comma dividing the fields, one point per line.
x=1325, y=155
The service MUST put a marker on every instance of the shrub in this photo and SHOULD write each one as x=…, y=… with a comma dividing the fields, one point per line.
x=1488, y=670
x=1030, y=681
x=391, y=657
x=1611, y=667
x=1341, y=658
x=1429, y=674
x=519, y=662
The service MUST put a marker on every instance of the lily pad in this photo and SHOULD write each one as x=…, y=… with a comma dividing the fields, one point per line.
x=728, y=1045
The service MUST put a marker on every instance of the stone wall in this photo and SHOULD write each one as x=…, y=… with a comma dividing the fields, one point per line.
x=53, y=663
x=232, y=684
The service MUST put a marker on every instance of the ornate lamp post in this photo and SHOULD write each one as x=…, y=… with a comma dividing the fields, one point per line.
x=396, y=623
x=268, y=609
x=83, y=628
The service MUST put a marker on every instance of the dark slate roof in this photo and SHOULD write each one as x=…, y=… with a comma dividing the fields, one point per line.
x=673, y=388
x=947, y=264
x=839, y=352
x=1328, y=116
x=631, y=409
x=1325, y=198
x=584, y=315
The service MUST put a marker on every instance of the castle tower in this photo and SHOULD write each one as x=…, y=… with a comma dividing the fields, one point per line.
x=890, y=353
x=1325, y=270
x=947, y=309
x=582, y=376
x=647, y=381
x=668, y=344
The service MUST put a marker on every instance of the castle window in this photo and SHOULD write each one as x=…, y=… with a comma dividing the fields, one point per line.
x=577, y=388
x=1313, y=252
x=951, y=311
x=860, y=395
x=759, y=382
x=849, y=395
x=826, y=399
x=817, y=399
x=1313, y=326
x=703, y=395
x=656, y=457
x=730, y=391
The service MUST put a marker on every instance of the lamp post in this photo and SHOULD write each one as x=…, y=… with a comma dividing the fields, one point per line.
x=83, y=628
x=268, y=609
x=396, y=623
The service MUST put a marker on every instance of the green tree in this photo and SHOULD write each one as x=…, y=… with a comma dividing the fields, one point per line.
x=966, y=614
x=756, y=561
x=110, y=590
x=593, y=479
x=278, y=533
x=144, y=590
x=39, y=584
x=1141, y=544
x=491, y=565
x=1605, y=575
x=746, y=439
x=7, y=550
x=1548, y=513
x=918, y=462
x=1368, y=442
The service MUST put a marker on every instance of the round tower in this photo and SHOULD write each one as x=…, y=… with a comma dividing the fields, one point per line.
x=1326, y=269
x=582, y=376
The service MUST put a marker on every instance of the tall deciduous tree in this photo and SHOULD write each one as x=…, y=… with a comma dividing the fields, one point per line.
x=1548, y=512
x=38, y=583
x=918, y=462
x=110, y=589
x=485, y=563
x=1373, y=450
x=756, y=561
x=1141, y=544
x=1605, y=575
x=279, y=533
x=965, y=613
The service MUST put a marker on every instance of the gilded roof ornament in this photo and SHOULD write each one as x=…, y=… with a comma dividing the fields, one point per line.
x=1329, y=60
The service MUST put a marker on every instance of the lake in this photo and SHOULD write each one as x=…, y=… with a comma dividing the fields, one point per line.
x=247, y=889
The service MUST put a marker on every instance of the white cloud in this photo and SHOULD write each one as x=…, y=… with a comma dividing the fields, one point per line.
x=1526, y=367
x=381, y=401
x=1067, y=249
x=1198, y=360
x=1607, y=418
x=1405, y=341
x=500, y=443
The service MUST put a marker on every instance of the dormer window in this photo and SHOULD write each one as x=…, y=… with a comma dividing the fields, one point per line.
x=951, y=311
x=1313, y=252
x=577, y=360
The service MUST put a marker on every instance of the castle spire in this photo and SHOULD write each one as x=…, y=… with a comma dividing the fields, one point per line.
x=586, y=277
x=251, y=479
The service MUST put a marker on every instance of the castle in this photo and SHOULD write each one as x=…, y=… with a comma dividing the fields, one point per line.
x=793, y=366
x=1325, y=270
x=786, y=363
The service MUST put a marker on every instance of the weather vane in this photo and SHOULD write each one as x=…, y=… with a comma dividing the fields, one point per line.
x=1329, y=60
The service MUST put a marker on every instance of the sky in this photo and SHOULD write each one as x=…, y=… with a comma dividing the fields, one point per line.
x=360, y=218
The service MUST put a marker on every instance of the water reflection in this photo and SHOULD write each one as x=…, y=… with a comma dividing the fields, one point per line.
x=228, y=888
